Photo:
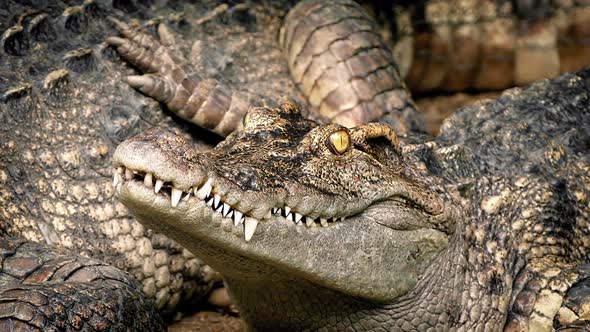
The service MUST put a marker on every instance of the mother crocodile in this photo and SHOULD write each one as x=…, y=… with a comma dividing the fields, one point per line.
x=344, y=227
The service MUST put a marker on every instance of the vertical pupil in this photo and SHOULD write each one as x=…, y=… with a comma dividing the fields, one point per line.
x=339, y=141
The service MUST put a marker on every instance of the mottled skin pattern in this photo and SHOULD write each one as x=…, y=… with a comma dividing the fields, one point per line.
x=62, y=113
x=53, y=169
x=507, y=249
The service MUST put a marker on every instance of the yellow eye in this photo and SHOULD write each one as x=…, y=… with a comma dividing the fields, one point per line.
x=339, y=141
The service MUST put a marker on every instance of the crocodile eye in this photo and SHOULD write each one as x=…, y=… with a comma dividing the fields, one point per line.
x=339, y=141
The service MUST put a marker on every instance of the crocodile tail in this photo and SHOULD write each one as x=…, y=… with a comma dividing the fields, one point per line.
x=340, y=63
x=489, y=45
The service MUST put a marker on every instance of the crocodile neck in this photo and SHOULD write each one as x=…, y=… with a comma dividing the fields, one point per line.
x=453, y=292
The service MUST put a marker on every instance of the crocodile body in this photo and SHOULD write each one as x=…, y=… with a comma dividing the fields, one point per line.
x=55, y=187
x=63, y=111
x=328, y=227
x=483, y=228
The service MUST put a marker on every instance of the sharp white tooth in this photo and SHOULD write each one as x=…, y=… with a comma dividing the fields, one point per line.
x=237, y=217
x=176, y=193
x=268, y=215
x=309, y=222
x=216, y=200
x=226, y=210
x=324, y=222
x=120, y=170
x=342, y=218
x=148, y=180
x=159, y=184
x=116, y=179
x=188, y=195
x=289, y=216
x=298, y=217
x=287, y=210
x=249, y=228
x=205, y=190
x=275, y=210
x=209, y=201
x=128, y=174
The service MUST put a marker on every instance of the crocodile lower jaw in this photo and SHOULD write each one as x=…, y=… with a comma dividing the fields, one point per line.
x=206, y=193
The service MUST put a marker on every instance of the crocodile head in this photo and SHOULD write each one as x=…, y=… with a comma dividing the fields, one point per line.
x=287, y=199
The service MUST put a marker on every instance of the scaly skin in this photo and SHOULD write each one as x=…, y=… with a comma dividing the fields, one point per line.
x=460, y=233
x=326, y=227
x=489, y=45
x=64, y=111
x=49, y=290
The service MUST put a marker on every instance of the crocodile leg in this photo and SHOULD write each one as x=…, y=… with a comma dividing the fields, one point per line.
x=45, y=290
x=334, y=52
x=205, y=102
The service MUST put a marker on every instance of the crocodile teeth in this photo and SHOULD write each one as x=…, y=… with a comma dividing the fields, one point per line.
x=120, y=174
x=148, y=180
x=249, y=228
x=205, y=189
x=117, y=179
x=159, y=184
x=176, y=193
x=226, y=210
x=216, y=200
x=238, y=217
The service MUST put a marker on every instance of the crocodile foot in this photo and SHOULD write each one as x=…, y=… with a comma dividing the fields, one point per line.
x=205, y=102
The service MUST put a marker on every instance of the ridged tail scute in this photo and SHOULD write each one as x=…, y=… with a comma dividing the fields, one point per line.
x=460, y=45
x=340, y=63
x=205, y=102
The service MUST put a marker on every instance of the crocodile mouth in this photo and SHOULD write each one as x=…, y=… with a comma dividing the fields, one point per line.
x=207, y=193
